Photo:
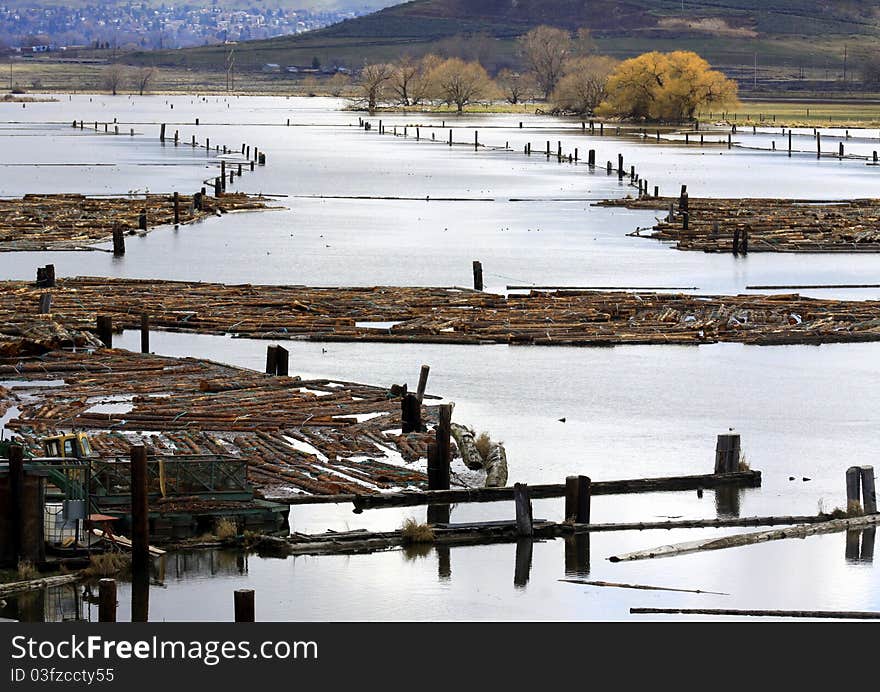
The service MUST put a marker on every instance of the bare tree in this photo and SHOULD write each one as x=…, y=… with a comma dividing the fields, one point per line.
x=144, y=77
x=545, y=50
x=338, y=83
x=373, y=83
x=461, y=83
x=113, y=77
x=584, y=85
x=517, y=87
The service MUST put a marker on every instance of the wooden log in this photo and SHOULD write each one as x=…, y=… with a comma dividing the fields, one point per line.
x=17, y=587
x=743, y=539
x=244, y=605
x=140, y=530
x=523, y=504
x=869, y=494
x=640, y=587
x=478, y=276
x=106, y=600
x=817, y=614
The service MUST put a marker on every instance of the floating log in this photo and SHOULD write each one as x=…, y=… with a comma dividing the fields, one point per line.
x=17, y=587
x=640, y=587
x=742, y=539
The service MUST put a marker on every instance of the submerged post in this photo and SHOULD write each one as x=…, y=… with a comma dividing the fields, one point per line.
x=244, y=605
x=523, y=502
x=145, y=333
x=478, y=276
x=140, y=531
x=106, y=600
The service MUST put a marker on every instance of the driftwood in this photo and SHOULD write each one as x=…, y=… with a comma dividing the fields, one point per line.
x=742, y=539
x=818, y=614
x=639, y=586
x=15, y=587
x=442, y=315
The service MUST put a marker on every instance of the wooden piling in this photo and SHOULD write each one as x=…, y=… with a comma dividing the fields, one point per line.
x=104, y=324
x=727, y=453
x=162, y=132
x=438, y=472
x=16, y=501
x=869, y=494
x=840, y=151
x=818, y=145
x=744, y=242
x=523, y=504
x=244, y=605
x=411, y=413
x=140, y=531
x=106, y=600
x=176, y=208
x=282, y=360
x=142, y=220
x=789, y=144
x=591, y=158
x=620, y=166
x=423, y=382
x=735, y=248
x=853, y=486
x=476, y=140
x=271, y=360
x=478, y=276
x=145, y=333
x=45, y=303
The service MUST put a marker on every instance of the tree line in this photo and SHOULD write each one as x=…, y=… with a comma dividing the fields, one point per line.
x=562, y=69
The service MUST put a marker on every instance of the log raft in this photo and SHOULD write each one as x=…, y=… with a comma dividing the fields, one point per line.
x=770, y=225
x=444, y=315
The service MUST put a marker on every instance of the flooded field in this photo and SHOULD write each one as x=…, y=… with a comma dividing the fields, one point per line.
x=360, y=209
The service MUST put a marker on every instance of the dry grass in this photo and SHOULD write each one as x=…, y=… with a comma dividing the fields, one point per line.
x=483, y=443
x=107, y=565
x=27, y=571
x=413, y=532
x=744, y=465
x=225, y=529
x=853, y=510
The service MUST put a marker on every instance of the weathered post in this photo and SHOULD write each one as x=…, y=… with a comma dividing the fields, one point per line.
x=244, y=605
x=523, y=502
x=736, y=241
x=818, y=145
x=176, y=208
x=727, y=453
x=789, y=144
x=106, y=600
x=476, y=140
x=620, y=166
x=440, y=472
x=282, y=358
x=105, y=330
x=853, y=485
x=729, y=141
x=478, y=276
x=45, y=303
x=218, y=187
x=869, y=494
x=271, y=360
x=118, y=241
x=591, y=158
x=16, y=500
x=162, y=132
x=423, y=381
x=145, y=333
x=142, y=220
x=140, y=530
x=744, y=243
x=577, y=499
x=411, y=413
x=450, y=138
x=840, y=151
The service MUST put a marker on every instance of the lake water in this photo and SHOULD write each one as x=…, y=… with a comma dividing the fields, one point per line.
x=803, y=412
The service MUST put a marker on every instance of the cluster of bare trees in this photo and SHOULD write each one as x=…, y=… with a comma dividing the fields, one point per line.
x=116, y=77
x=563, y=69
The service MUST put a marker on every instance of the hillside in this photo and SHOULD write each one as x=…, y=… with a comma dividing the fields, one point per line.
x=799, y=35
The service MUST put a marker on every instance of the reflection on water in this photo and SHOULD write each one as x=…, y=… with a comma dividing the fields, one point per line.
x=577, y=555
x=860, y=546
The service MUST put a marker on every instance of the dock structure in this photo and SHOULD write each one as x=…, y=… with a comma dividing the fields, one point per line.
x=441, y=315
x=740, y=226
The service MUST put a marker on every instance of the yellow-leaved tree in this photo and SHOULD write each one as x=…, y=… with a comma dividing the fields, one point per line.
x=668, y=87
